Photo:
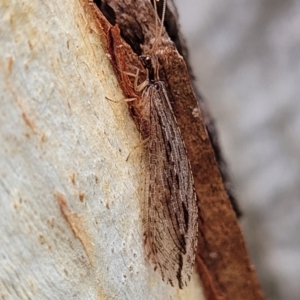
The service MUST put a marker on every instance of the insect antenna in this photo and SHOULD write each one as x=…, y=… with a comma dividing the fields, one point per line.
x=158, y=33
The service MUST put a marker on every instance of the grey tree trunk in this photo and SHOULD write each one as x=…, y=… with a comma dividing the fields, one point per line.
x=70, y=201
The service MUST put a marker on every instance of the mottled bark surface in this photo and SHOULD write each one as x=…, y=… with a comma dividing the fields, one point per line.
x=70, y=201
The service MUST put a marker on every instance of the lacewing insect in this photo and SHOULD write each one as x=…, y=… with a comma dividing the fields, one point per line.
x=170, y=210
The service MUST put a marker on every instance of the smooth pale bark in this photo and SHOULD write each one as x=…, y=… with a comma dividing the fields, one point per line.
x=70, y=202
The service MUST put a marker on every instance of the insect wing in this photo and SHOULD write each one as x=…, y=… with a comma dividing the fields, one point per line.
x=170, y=211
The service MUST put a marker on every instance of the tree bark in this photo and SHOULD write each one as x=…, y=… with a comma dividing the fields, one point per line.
x=70, y=214
x=70, y=196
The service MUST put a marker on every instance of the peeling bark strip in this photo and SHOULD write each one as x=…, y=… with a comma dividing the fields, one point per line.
x=222, y=260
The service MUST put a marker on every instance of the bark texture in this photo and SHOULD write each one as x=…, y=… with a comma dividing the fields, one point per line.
x=70, y=199
x=70, y=215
